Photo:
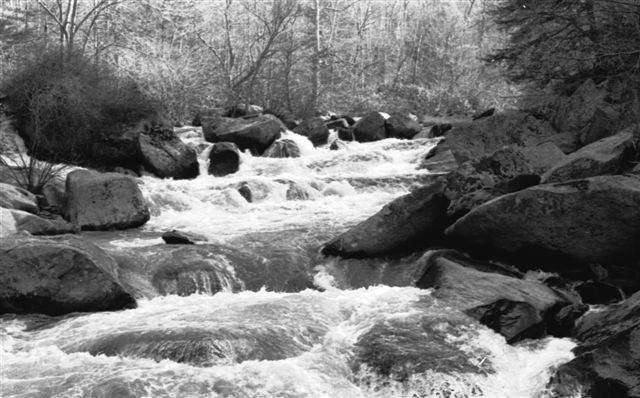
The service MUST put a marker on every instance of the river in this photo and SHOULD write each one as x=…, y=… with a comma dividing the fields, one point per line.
x=328, y=338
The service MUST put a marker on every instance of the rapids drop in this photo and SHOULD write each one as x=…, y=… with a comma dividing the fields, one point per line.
x=375, y=341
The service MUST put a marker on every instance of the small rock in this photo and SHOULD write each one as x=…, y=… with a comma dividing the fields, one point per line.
x=174, y=237
x=224, y=159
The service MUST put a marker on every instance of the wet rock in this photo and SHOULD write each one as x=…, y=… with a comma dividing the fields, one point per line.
x=255, y=134
x=207, y=269
x=439, y=161
x=167, y=156
x=439, y=130
x=515, y=320
x=14, y=221
x=370, y=128
x=416, y=219
x=12, y=197
x=174, y=237
x=598, y=293
x=224, y=159
x=579, y=222
x=487, y=135
x=346, y=134
x=607, y=362
x=563, y=323
x=610, y=155
x=337, y=145
x=283, y=148
x=245, y=191
x=401, y=126
x=58, y=275
x=103, y=201
x=314, y=129
x=483, y=114
x=543, y=157
x=298, y=191
x=495, y=295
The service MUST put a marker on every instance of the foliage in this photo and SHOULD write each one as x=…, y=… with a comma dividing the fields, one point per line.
x=570, y=40
x=30, y=173
x=63, y=105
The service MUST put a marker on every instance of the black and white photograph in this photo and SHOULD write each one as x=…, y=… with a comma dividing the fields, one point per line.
x=319, y=198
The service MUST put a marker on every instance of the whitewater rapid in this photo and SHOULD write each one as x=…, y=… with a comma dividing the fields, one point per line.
x=375, y=341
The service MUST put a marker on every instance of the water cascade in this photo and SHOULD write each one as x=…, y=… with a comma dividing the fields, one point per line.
x=254, y=311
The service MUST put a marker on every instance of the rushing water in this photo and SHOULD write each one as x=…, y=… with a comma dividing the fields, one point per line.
x=284, y=340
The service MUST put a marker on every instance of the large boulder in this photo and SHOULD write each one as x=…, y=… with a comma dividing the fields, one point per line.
x=607, y=362
x=411, y=220
x=283, y=148
x=224, y=159
x=594, y=220
x=12, y=197
x=167, y=156
x=255, y=134
x=314, y=129
x=497, y=296
x=477, y=181
x=102, y=201
x=487, y=135
x=57, y=276
x=14, y=221
x=371, y=127
x=402, y=126
x=610, y=155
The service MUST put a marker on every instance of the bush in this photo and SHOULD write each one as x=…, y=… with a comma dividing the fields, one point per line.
x=62, y=107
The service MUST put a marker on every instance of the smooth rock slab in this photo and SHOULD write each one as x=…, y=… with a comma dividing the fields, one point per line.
x=58, y=275
x=12, y=197
x=102, y=201
x=593, y=220
x=14, y=221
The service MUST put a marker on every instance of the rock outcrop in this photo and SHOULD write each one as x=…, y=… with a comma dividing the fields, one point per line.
x=412, y=220
x=401, y=126
x=103, y=201
x=57, y=276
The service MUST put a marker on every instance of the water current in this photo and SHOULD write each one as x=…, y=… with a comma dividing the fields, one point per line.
x=227, y=328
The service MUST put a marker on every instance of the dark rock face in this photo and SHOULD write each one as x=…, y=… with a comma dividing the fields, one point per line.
x=346, y=134
x=174, y=237
x=607, y=362
x=413, y=219
x=438, y=130
x=245, y=191
x=483, y=114
x=103, y=201
x=314, y=129
x=283, y=148
x=255, y=134
x=402, y=126
x=563, y=323
x=598, y=293
x=240, y=110
x=594, y=220
x=610, y=155
x=370, y=128
x=57, y=276
x=515, y=320
x=224, y=159
x=167, y=156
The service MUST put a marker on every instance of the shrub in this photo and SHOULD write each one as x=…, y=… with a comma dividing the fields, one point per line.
x=62, y=107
